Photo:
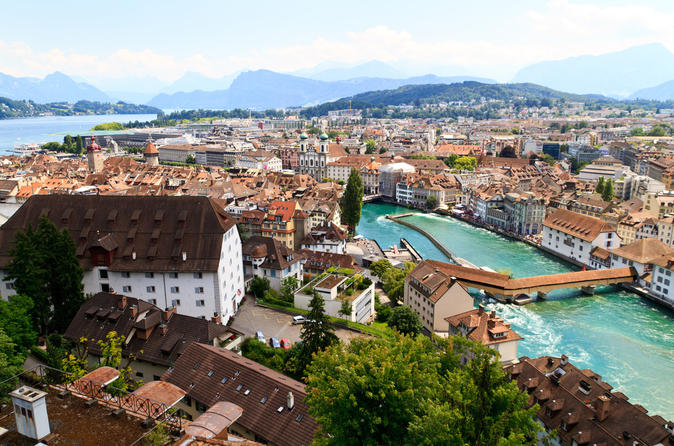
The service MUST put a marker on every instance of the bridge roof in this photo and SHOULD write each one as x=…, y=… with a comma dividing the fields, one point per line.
x=564, y=278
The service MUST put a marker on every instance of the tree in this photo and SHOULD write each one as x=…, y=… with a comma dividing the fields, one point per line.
x=465, y=163
x=548, y=159
x=366, y=392
x=352, y=201
x=10, y=365
x=379, y=267
x=190, y=159
x=393, y=281
x=317, y=334
x=432, y=202
x=405, y=320
x=607, y=192
x=451, y=159
x=16, y=321
x=79, y=145
x=288, y=287
x=383, y=312
x=259, y=286
x=599, y=188
x=346, y=309
x=370, y=146
x=382, y=150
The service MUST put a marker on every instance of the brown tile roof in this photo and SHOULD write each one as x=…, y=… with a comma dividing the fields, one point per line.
x=157, y=229
x=260, y=391
x=483, y=327
x=580, y=226
x=106, y=312
x=277, y=255
x=643, y=250
x=323, y=260
x=592, y=413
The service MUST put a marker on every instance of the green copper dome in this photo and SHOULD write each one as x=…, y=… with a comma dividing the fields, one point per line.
x=324, y=136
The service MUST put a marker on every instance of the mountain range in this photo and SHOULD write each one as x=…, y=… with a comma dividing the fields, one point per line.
x=55, y=87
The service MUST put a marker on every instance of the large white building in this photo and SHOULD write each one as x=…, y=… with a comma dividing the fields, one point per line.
x=169, y=251
x=315, y=156
x=574, y=235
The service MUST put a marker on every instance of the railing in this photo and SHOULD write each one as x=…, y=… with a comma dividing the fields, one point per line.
x=114, y=398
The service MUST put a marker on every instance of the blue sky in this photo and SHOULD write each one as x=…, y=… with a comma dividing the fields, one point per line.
x=102, y=41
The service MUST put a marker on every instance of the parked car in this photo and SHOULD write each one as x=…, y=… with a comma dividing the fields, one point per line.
x=274, y=342
x=299, y=320
x=285, y=344
x=260, y=337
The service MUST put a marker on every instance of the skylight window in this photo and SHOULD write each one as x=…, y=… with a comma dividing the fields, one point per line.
x=299, y=417
x=239, y=387
x=210, y=373
x=196, y=366
x=263, y=400
x=247, y=392
x=280, y=409
x=223, y=380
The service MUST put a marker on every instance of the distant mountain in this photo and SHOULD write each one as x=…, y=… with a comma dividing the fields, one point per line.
x=56, y=87
x=192, y=81
x=374, y=68
x=264, y=89
x=617, y=74
x=464, y=91
x=10, y=108
x=662, y=92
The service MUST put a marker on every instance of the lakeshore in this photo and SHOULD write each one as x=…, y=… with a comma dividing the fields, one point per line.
x=624, y=338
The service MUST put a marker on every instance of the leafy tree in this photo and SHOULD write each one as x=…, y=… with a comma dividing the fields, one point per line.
x=393, y=281
x=658, y=130
x=346, y=309
x=379, y=267
x=16, y=321
x=382, y=150
x=637, y=131
x=548, y=159
x=317, y=332
x=465, y=163
x=190, y=159
x=288, y=287
x=111, y=350
x=451, y=159
x=383, y=312
x=79, y=145
x=259, y=286
x=405, y=320
x=564, y=148
x=352, y=201
x=52, y=147
x=607, y=192
x=10, y=365
x=599, y=188
x=158, y=437
x=432, y=202
x=370, y=146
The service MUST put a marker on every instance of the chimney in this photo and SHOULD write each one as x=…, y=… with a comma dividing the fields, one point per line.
x=134, y=311
x=492, y=315
x=602, y=407
x=168, y=313
x=163, y=328
x=216, y=318
x=491, y=323
x=564, y=360
x=480, y=310
x=290, y=401
x=121, y=303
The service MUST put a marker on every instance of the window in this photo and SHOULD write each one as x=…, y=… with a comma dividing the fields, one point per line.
x=175, y=302
x=199, y=290
x=126, y=288
x=273, y=273
x=139, y=374
x=149, y=275
x=105, y=287
x=201, y=303
x=150, y=289
x=103, y=273
x=175, y=289
x=198, y=275
x=173, y=275
x=126, y=274
x=9, y=285
x=153, y=301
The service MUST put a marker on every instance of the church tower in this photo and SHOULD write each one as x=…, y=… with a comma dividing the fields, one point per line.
x=94, y=156
x=151, y=154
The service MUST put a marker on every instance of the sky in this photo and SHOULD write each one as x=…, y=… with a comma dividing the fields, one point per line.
x=156, y=42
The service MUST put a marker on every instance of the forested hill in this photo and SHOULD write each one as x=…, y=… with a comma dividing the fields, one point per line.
x=10, y=108
x=466, y=92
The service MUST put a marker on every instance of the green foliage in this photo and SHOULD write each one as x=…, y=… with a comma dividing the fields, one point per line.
x=450, y=160
x=607, y=190
x=317, y=333
x=108, y=126
x=432, y=202
x=346, y=308
x=370, y=146
x=111, y=350
x=383, y=312
x=379, y=267
x=259, y=286
x=599, y=188
x=418, y=156
x=465, y=163
x=403, y=390
x=288, y=287
x=10, y=108
x=158, y=437
x=16, y=321
x=548, y=159
x=45, y=268
x=660, y=130
x=352, y=200
x=405, y=320
x=393, y=281
x=10, y=365
x=190, y=159
x=637, y=131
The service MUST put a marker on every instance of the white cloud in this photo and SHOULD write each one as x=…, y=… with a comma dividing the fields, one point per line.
x=556, y=29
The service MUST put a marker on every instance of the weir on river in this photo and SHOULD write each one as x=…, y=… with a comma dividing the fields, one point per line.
x=626, y=339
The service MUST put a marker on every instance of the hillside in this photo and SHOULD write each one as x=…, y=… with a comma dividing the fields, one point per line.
x=662, y=92
x=56, y=87
x=10, y=108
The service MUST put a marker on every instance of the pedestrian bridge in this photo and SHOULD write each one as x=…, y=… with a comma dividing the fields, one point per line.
x=502, y=287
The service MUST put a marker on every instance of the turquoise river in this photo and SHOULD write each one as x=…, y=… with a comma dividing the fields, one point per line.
x=624, y=338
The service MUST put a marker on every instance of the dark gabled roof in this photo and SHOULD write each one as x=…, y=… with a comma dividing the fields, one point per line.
x=284, y=428
x=151, y=227
x=277, y=256
x=318, y=260
x=106, y=312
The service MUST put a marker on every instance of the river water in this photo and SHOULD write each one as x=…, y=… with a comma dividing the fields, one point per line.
x=50, y=128
x=624, y=338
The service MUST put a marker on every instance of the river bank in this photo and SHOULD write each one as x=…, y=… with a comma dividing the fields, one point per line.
x=624, y=338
